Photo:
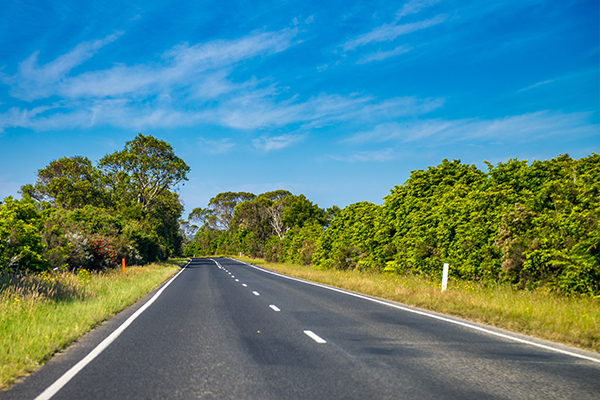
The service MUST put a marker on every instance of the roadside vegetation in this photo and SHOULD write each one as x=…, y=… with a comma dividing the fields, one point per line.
x=527, y=225
x=522, y=240
x=570, y=320
x=40, y=314
x=62, y=245
x=78, y=215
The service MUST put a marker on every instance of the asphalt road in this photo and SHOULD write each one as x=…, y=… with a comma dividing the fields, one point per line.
x=226, y=330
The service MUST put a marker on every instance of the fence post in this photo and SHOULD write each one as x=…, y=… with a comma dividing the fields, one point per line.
x=445, y=276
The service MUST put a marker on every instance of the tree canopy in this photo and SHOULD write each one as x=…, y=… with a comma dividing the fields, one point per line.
x=527, y=224
x=78, y=215
x=143, y=170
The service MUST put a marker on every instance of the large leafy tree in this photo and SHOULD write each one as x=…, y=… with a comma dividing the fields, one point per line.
x=145, y=169
x=221, y=207
x=272, y=207
x=68, y=183
x=132, y=186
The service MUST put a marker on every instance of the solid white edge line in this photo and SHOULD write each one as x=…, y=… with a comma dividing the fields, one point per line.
x=67, y=376
x=314, y=337
x=426, y=314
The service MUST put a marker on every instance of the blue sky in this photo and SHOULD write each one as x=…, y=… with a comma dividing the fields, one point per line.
x=337, y=100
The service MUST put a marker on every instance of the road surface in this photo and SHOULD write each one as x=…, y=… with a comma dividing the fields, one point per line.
x=223, y=329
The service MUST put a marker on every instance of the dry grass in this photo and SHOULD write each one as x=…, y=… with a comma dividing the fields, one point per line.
x=41, y=314
x=573, y=321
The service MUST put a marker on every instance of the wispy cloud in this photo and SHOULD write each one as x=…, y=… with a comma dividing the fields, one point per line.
x=536, y=85
x=179, y=66
x=267, y=144
x=382, y=55
x=366, y=156
x=220, y=146
x=414, y=6
x=188, y=85
x=519, y=128
x=33, y=81
x=389, y=32
x=252, y=109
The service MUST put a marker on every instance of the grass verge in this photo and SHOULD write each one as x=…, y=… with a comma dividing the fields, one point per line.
x=42, y=314
x=569, y=320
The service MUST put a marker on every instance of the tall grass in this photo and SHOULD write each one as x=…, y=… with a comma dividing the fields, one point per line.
x=43, y=313
x=570, y=320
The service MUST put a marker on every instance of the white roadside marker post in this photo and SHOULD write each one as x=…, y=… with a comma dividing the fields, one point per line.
x=445, y=276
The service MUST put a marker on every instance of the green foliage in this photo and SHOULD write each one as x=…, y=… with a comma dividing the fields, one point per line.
x=300, y=243
x=141, y=172
x=69, y=183
x=92, y=217
x=350, y=241
x=21, y=246
x=530, y=225
x=527, y=224
x=253, y=223
x=221, y=208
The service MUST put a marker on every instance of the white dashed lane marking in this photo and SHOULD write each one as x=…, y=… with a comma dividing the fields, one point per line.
x=314, y=337
x=307, y=332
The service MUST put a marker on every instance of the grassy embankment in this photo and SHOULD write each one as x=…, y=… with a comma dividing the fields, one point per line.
x=573, y=321
x=42, y=314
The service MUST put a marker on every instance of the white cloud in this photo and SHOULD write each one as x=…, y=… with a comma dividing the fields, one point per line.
x=253, y=110
x=389, y=32
x=382, y=55
x=518, y=128
x=536, y=85
x=180, y=66
x=267, y=144
x=367, y=156
x=220, y=146
x=188, y=85
x=414, y=6
x=33, y=81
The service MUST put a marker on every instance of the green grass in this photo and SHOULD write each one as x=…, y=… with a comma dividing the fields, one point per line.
x=569, y=320
x=42, y=314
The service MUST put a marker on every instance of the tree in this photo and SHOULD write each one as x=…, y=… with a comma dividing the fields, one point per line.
x=68, y=183
x=202, y=218
x=143, y=170
x=272, y=205
x=350, y=240
x=21, y=246
x=299, y=211
x=223, y=205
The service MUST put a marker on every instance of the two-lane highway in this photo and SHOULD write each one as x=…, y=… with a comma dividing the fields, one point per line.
x=223, y=329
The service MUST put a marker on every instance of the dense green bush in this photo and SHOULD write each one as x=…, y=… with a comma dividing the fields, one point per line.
x=78, y=215
x=527, y=224
x=21, y=246
x=350, y=241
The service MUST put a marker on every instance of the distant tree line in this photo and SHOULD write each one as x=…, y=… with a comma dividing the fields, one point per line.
x=80, y=215
x=529, y=225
